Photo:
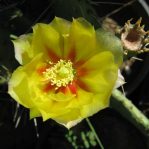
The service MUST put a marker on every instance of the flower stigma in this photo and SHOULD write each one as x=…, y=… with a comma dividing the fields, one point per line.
x=60, y=74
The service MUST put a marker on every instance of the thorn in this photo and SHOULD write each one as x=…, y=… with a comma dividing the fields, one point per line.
x=129, y=21
x=123, y=90
x=139, y=22
x=146, y=50
x=125, y=52
x=36, y=127
x=136, y=58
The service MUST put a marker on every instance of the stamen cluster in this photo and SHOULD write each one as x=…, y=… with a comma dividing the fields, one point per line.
x=60, y=74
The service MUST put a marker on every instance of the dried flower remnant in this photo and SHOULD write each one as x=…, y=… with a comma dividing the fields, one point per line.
x=110, y=25
x=134, y=38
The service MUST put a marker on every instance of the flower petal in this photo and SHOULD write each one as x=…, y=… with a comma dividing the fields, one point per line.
x=82, y=41
x=23, y=83
x=101, y=73
x=19, y=88
x=46, y=40
x=65, y=110
x=50, y=109
x=82, y=106
x=34, y=113
x=108, y=42
x=22, y=47
x=65, y=119
x=70, y=124
x=61, y=25
x=99, y=102
x=74, y=109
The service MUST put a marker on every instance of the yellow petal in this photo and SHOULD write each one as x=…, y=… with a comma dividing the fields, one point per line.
x=71, y=116
x=61, y=25
x=99, y=102
x=22, y=47
x=73, y=109
x=23, y=83
x=19, y=88
x=34, y=113
x=46, y=40
x=50, y=109
x=62, y=109
x=82, y=41
x=70, y=124
x=83, y=97
x=101, y=73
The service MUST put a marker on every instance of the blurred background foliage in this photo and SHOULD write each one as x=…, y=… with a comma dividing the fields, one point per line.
x=16, y=130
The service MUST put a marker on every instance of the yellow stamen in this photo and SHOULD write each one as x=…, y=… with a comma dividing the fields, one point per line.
x=60, y=74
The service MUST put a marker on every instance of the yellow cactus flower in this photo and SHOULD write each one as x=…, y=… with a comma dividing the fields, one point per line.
x=68, y=70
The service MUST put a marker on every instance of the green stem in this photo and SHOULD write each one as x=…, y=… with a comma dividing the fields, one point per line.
x=126, y=108
x=94, y=132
